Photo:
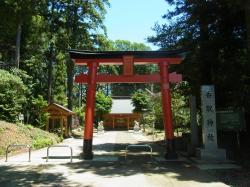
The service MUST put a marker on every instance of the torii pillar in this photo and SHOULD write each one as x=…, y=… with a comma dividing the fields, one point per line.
x=90, y=109
x=167, y=111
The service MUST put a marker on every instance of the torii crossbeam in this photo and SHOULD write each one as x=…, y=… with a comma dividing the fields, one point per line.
x=128, y=59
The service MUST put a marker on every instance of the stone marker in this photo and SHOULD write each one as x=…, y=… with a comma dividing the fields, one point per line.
x=210, y=150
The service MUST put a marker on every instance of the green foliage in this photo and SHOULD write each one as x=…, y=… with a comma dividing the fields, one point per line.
x=141, y=101
x=27, y=80
x=1, y=130
x=156, y=110
x=35, y=61
x=40, y=142
x=80, y=114
x=49, y=29
x=179, y=103
x=12, y=96
x=14, y=14
x=125, y=45
x=128, y=89
x=59, y=92
x=103, y=104
x=38, y=107
x=180, y=106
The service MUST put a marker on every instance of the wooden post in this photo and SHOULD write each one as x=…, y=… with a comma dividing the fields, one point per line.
x=167, y=112
x=61, y=125
x=89, y=116
x=53, y=124
x=47, y=125
x=193, y=119
x=66, y=126
x=128, y=122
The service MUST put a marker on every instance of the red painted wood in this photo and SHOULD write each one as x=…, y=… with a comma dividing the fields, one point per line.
x=166, y=101
x=90, y=103
x=128, y=65
x=152, y=78
x=119, y=61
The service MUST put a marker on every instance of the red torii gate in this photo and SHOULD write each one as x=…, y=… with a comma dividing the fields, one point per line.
x=128, y=58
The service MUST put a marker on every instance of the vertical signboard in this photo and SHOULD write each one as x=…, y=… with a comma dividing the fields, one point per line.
x=209, y=133
x=209, y=130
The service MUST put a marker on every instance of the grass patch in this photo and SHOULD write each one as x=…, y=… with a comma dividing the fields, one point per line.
x=2, y=152
x=24, y=134
x=1, y=130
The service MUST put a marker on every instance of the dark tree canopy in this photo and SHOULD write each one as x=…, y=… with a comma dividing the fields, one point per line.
x=214, y=33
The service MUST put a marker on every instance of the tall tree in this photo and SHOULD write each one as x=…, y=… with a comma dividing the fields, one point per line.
x=17, y=14
x=79, y=24
x=214, y=33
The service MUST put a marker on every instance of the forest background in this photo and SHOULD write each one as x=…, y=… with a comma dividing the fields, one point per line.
x=36, y=68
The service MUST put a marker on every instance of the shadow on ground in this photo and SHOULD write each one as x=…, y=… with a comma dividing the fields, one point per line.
x=47, y=175
x=29, y=176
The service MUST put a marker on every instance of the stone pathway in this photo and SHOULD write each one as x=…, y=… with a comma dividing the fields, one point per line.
x=108, y=168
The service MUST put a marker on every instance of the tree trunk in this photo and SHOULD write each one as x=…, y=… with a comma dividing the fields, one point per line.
x=247, y=14
x=204, y=56
x=247, y=17
x=50, y=74
x=18, y=44
x=70, y=81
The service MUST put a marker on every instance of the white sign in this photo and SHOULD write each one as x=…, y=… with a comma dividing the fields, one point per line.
x=21, y=117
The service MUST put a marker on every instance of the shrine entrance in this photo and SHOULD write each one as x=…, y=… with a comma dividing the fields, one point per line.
x=128, y=59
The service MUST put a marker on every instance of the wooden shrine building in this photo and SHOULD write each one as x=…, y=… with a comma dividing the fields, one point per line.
x=58, y=113
x=121, y=115
x=118, y=121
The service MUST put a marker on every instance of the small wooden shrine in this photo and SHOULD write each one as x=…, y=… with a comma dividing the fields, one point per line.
x=121, y=115
x=58, y=113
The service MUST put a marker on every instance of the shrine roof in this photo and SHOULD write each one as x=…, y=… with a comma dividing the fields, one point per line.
x=120, y=106
x=57, y=109
x=82, y=56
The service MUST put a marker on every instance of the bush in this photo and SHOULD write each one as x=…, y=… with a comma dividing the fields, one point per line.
x=141, y=101
x=12, y=96
x=80, y=114
x=180, y=108
x=103, y=104
x=180, y=105
x=40, y=142
x=156, y=105
x=42, y=117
